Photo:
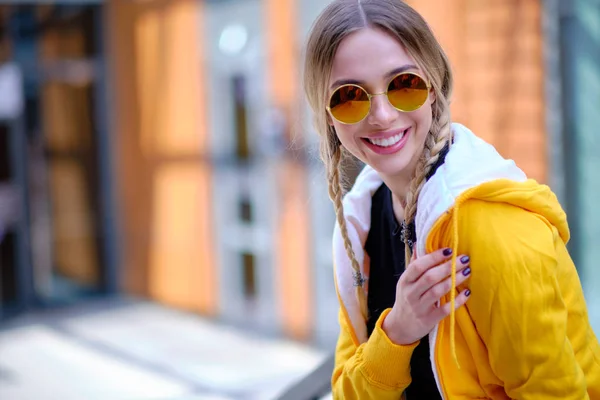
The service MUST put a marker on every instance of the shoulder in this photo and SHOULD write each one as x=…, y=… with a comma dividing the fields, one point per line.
x=507, y=244
x=496, y=223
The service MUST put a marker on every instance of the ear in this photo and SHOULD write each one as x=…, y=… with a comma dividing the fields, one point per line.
x=432, y=96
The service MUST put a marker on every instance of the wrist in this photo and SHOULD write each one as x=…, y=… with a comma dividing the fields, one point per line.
x=393, y=330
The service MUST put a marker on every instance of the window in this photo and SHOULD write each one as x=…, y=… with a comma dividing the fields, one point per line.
x=240, y=117
x=245, y=209
x=249, y=275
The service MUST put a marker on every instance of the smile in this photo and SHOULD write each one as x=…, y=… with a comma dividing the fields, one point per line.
x=387, y=143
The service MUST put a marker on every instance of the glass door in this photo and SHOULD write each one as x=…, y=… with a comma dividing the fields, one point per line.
x=64, y=158
x=58, y=49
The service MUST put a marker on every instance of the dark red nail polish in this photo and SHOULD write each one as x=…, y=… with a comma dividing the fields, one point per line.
x=447, y=252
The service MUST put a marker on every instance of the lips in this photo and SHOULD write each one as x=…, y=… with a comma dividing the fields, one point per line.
x=388, y=142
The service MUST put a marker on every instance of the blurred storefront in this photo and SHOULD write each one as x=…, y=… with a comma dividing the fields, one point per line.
x=54, y=156
x=164, y=148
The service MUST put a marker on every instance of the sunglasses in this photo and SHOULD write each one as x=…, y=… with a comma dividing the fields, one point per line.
x=350, y=104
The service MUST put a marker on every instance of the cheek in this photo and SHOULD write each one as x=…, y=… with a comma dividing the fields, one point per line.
x=425, y=117
x=349, y=137
x=346, y=134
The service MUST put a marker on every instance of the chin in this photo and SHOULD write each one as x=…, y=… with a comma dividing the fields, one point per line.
x=390, y=168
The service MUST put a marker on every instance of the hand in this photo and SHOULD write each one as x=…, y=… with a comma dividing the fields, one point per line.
x=425, y=281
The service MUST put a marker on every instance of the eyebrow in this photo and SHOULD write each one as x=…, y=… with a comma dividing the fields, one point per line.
x=389, y=74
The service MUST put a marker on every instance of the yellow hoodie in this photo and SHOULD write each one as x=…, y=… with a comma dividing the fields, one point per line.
x=523, y=334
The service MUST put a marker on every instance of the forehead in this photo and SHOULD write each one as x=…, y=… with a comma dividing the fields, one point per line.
x=367, y=55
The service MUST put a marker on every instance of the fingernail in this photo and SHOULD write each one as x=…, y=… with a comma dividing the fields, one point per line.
x=467, y=293
x=466, y=271
x=464, y=259
x=447, y=252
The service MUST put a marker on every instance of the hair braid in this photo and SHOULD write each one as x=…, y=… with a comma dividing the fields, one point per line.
x=437, y=138
x=335, y=193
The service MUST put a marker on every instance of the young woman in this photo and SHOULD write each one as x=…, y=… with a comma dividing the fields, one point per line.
x=437, y=217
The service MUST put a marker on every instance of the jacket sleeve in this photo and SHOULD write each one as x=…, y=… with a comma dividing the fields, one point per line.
x=517, y=304
x=377, y=369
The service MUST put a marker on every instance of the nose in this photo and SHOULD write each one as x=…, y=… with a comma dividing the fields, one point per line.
x=382, y=113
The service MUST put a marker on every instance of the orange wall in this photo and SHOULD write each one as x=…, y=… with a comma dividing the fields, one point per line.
x=161, y=134
x=294, y=281
x=495, y=47
x=160, y=115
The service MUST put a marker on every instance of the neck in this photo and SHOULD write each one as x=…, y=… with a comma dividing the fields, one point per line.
x=399, y=183
x=399, y=186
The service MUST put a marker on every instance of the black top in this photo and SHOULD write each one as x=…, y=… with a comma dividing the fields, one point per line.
x=386, y=251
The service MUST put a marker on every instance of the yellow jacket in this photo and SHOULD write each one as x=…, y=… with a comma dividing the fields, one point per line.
x=523, y=334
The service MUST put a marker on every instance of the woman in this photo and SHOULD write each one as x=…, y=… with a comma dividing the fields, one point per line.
x=437, y=217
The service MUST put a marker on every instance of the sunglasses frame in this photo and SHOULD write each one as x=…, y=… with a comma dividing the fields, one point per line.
x=370, y=96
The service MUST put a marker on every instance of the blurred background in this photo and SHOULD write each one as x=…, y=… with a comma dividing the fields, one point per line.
x=164, y=222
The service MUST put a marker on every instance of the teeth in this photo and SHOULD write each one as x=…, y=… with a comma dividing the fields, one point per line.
x=389, y=141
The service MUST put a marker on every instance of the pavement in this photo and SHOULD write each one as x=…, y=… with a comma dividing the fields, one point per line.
x=134, y=350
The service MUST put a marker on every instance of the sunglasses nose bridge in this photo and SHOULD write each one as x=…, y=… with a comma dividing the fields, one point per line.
x=377, y=94
x=371, y=98
x=381, y=112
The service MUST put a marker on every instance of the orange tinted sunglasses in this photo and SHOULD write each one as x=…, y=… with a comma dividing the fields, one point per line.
x=350, y=104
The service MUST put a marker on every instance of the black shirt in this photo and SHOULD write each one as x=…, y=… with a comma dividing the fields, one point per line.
x=386, y=251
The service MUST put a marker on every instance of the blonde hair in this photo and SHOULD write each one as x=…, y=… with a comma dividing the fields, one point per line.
x=336, y=22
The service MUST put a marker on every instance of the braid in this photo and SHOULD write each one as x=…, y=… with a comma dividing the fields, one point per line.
x=437, y=138
x=335, y=193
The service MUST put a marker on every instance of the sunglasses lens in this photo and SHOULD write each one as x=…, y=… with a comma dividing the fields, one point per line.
x=407, y=92
x=349, y=104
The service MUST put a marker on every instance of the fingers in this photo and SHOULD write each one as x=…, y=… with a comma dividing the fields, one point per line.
x=437, y=291
x=436, y=275
x=445, y=310
x=418, y=267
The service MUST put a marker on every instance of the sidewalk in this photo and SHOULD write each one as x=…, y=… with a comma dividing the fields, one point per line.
x=132, y=350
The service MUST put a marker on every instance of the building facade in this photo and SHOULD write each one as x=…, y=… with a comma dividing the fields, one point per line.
x=164, y=148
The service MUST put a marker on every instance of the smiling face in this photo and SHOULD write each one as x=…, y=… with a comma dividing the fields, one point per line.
x=388, y=140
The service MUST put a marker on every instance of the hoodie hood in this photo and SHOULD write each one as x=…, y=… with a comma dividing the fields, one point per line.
x=472, y=169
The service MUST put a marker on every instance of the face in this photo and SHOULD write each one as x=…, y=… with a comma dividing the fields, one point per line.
x=388, y=140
